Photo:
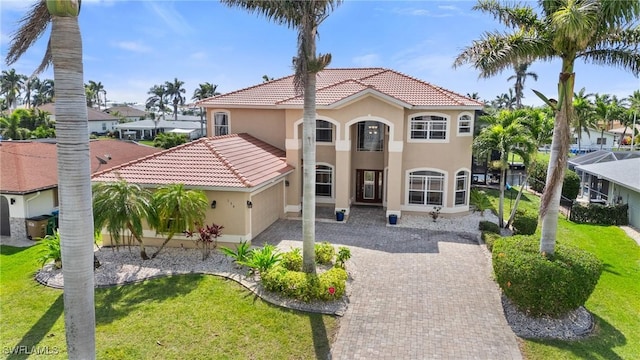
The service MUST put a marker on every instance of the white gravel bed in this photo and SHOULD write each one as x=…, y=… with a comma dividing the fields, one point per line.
x=467, y=223
x=126, y=267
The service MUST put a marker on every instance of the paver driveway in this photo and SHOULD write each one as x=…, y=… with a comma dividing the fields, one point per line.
x=416, y=294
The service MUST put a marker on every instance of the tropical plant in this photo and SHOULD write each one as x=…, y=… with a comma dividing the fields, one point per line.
x=169, y=140
x=64, y=50
x=520, y=77
x=174, y=210
x=45, y=92
x=157, y=99
x=263, y=259
x=174, y=91
x=601, y=31
x=30, y=84
x=504, y=101
x=207, y=237
x=324, y=253
x=52, y=250
x=505, y=134
x=344, y=254
x=292, y=260
x=240, y=254
x=204, y=91
x=96, y=88
x=479, y=201
x=10, y=128
x=121, y=206
x=305, y=17
x=11, y=86
x=583, y=115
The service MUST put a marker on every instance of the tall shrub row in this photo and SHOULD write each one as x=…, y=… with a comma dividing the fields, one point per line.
x=601, y=214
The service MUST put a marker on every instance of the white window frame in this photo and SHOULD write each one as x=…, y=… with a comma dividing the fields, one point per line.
x=432, y=176
x=216, y=127
x=461, y=175
x=469, y=126
x=429, y=124
x=328, y=168
x=381, y=135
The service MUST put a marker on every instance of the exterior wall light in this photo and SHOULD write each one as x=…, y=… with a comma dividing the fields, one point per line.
x=213, y=204
x=249, y=204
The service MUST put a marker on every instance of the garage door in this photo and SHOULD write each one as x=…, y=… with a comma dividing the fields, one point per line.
x=268, y=206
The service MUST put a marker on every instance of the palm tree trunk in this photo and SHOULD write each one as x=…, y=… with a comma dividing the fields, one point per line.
x=74, y=188
x=512, y=216
x=501, y=201
x=550, y=202
x=153, y=256
x=143, y=252
x=309, y=189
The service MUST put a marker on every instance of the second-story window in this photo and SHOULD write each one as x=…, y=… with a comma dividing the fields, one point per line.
x=429, y=127
x=464, y=125
x=370, y=136
x=220, y=123
x=324, y=131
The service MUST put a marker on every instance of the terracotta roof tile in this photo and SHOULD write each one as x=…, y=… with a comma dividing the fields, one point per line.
x=234, y=161
x=31, y=166
x=335, y=85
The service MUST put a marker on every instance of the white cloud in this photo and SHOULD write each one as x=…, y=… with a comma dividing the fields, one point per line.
x=133, y=46
x=200, y=55
x=367, y=60
x=170, y=16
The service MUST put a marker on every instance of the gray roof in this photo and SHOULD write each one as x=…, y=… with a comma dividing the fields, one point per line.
x=623, y=172
x=601, y=156
x=162, y=124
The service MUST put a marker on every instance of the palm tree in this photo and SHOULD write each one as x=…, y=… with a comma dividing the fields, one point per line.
x=158, y=98
x=504, y=101
x=205, y=90
x=305, y=17
x=31, y=83
x=74, y=167
x=599, y=31
x=11, y=85
x=90, y=94
x=46, y=92
x=10, y=127
x=505, y=134
x=96, y=89
x=174, y=210
x=121, y=206
x=174, y=92
x=583, y=115
x=520, y=77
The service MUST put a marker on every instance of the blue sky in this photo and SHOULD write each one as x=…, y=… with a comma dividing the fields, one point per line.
x=130, y=46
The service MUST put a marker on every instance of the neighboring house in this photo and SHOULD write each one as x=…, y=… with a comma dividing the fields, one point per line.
x=243, y=178
x=128, y=112
x=29, y=177
x=614, y=182
x=99, y=122
x=595, y=139
x=627, y=131
x=146, y=129
x=383, y=138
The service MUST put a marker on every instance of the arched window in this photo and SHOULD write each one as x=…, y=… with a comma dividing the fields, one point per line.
x=426, y=188
x=462, y=183
x=428, y=127
x=220, y=123
x=324, y=180
x=464, y=125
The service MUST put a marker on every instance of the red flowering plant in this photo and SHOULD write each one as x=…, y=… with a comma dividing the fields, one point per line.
x=207, y=236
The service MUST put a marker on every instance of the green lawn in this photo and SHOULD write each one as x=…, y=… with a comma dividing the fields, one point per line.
x=179, y=317
x=615, y=303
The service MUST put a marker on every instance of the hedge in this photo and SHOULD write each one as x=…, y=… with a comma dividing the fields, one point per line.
x=525, y=222
x=541, y=285
x=600, y=214
x=329, y=285
x=570, y=183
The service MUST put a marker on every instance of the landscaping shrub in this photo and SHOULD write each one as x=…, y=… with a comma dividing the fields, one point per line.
x=539, y=285
x=344, y=254
x=52, y=250
x=240, y=254
x=292, y=260
x=570, y=184
x=306, y=287
x=263, y=259
x=600, y=214
x=525, y=223
x=490, y=238
x=324, y=253
x=479, y=201
x=488, y=226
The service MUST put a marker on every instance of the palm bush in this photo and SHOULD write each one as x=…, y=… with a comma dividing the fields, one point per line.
x=52, y=250
x=240, y=254
x=263, y=259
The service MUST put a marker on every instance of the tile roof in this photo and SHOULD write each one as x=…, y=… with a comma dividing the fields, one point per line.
x=92, y=114
x=32, y=165
x=624, y=172
x=334, y=85
x=126, y=111
x=600, y=156
x=231, y=161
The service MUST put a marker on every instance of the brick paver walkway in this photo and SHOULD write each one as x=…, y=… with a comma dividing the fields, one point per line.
x=416, y=294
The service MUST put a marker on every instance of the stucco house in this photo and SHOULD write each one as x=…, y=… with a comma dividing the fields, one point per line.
x=128, y=112
x=29, y=177
x=243, y=178
x=594, y=139
x=147, y=129
x=383, y=138
x=99, y=122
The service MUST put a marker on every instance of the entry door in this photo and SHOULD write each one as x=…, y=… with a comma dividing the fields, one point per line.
x=369, y=186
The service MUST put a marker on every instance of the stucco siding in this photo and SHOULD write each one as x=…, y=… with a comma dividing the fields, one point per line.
x=268, y=206
x=264, y=124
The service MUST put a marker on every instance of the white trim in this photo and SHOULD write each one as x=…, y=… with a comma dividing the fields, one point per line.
x=369, y=117
x=335, y=123
x=393, y=212
x=471, y=116
x=468, y=187
x=447, y=135
x=292, y=208
x=213, y=121
x=395, y=146
x=343, y=145
x=417, y=207
x=292, y=144
x=327, y=199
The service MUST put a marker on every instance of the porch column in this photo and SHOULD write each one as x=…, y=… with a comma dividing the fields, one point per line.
x=394, y=178
x=342, y=174
x=293, y=191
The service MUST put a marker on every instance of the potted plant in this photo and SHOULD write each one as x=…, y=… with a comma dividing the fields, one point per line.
x=340, y=215
x=393, y=219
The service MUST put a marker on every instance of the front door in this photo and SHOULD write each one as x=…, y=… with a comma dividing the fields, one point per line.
x=369, y=186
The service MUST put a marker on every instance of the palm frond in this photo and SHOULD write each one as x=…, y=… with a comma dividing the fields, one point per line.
x=627, y=59
x=510, y=16
x=32, y=26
